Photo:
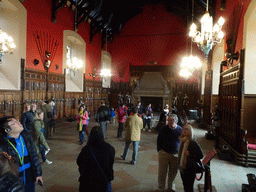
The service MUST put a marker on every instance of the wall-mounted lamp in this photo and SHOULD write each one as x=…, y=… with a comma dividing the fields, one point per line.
x=152, y=63
x=103, y=73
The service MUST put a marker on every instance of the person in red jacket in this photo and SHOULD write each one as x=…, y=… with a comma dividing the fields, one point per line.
x=122, y=111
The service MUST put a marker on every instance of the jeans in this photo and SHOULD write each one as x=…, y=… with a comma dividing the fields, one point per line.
x=135, y=149
x=103, y=125
x=120, y=130
x=81, y=136
x=43, y=153
x=147, y=122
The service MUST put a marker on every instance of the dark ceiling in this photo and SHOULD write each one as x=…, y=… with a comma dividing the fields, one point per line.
x=109, y=16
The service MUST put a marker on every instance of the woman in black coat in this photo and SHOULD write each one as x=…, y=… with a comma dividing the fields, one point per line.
x=95, y=163
x=189, y=152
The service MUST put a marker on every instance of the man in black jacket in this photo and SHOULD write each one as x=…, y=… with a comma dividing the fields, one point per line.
x=19, y=144
x=103, y=117
x=28, y=118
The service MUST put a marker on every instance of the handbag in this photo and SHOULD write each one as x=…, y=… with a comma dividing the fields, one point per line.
x=198, y=167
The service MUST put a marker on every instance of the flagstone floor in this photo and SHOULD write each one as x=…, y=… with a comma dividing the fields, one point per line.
x=62, y=175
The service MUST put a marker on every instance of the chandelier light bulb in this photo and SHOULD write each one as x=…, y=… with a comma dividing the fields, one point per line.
x=216, y=27
x=69, y=64
x=221, y=21
x=12, y=45
x=79, y=64
x=220, y=34
x=185, y=73
x=105, y=73
x=193, y=27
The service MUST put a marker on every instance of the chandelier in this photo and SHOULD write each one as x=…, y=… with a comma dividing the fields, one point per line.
x=189, y=64
x=209, y=35
x=105, y=73
x=6, y=44
x=74, y=64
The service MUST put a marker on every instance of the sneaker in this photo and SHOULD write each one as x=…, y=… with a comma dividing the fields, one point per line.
x=48, y=162
x=144, y=129
x=47, y=151
x=149, y=131
x=122, y=157
x=133, y=162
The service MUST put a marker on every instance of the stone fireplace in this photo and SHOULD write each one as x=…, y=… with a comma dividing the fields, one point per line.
x=153, y=88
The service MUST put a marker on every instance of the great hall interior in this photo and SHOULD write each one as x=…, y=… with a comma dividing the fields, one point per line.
x=63, y=47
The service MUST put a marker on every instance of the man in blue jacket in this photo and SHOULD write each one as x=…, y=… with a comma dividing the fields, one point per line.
x=20, y=145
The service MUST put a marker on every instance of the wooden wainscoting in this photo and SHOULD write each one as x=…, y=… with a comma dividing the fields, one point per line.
x=39, y=85
x=10, y=103
x=249, y=112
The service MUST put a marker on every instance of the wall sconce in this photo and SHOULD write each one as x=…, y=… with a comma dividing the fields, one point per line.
x=152, y=63
x=103, y=73
x=57, y=67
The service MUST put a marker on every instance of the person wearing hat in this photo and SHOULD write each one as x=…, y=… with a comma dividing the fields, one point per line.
x=20, y=145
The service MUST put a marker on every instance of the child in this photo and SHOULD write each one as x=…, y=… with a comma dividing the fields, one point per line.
x=112, y=112
x=82, y=122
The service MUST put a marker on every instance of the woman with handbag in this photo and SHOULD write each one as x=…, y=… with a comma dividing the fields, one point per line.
x=95, y=163
x=82, y=122
x=189, y=158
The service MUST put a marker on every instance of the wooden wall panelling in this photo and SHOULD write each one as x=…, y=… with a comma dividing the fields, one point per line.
x=249, y=113
x=231, y=106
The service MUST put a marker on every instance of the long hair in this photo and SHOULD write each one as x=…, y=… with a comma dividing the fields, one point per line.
x=190, y=128
x=79, y=108
x=96, y=136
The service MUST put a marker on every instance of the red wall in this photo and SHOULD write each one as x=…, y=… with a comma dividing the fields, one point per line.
x=39, y=18
x=154, y=35
x=228, y=15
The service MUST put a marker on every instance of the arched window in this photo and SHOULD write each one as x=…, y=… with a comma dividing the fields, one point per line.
x=73, y=61
x=13, y=21
x=106, y=66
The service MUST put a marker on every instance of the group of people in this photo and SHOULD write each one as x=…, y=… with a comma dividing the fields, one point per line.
x=176, y=147
x=21, y=142
x=177, y=150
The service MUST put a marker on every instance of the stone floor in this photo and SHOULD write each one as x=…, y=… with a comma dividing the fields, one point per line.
x=62, y=174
